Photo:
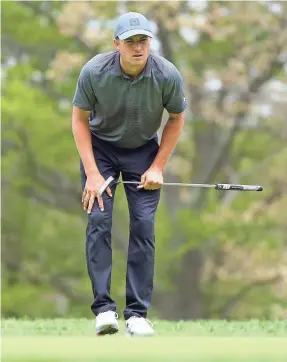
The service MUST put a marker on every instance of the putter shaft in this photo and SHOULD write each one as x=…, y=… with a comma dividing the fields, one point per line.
x=225, y=187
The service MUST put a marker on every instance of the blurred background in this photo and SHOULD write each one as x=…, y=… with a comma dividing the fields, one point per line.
x=219, y=255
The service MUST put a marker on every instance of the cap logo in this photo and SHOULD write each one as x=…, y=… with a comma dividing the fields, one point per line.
x=134, y=22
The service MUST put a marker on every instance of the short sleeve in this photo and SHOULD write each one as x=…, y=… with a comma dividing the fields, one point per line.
x=173, y=94
x=84, y=97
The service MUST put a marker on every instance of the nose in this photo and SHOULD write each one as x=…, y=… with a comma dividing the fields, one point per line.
x=137, y=45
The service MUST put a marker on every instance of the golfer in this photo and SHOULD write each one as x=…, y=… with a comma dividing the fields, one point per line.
x=117, y=110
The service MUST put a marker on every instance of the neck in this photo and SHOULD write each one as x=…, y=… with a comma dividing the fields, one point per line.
x=131, y=70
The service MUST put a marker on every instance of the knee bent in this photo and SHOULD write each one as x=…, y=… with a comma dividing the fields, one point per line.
x=98, y=217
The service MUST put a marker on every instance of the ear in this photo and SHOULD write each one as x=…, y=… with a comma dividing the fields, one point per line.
x=117, y=44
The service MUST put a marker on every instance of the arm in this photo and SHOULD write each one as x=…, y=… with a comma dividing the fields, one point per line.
x=152, y=179
x=170, y=137
x=175, y=103
x=84, y=101
x=82, y=136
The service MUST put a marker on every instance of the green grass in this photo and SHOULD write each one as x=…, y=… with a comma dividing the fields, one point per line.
x=74, y=340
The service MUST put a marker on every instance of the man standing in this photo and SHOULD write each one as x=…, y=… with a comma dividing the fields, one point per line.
x=117, y=111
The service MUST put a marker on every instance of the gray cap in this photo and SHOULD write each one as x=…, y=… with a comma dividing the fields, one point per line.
x=130, y=24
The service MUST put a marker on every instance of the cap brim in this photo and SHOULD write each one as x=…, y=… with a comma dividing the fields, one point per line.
x=133, y=32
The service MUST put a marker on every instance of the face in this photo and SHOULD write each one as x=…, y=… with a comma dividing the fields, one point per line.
x=134, y=50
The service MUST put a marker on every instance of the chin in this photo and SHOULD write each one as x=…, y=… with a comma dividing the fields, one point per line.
x=139, y=61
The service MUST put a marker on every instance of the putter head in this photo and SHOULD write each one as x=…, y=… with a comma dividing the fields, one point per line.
x=106, y=184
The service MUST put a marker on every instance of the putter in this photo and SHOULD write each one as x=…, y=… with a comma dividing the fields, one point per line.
x=223, y=187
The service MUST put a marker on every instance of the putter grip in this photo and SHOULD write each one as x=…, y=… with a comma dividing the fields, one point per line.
x=105, y=185
x=233, y=187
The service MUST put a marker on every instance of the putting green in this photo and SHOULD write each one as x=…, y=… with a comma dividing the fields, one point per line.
x=152, y=349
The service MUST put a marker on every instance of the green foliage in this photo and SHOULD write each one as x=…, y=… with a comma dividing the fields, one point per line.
x=29, y=32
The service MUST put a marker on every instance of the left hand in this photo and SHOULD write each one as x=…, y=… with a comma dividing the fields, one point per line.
x=152, y=179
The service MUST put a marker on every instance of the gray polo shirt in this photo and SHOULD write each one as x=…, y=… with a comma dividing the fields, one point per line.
x=127, y=112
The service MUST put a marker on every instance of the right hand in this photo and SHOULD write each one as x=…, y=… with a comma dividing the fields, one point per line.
x=91, y=192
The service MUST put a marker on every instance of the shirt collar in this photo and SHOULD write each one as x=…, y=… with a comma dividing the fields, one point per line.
x=118, y=70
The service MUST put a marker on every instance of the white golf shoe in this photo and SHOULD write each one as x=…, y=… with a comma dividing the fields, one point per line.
x=106, y=323
x=139, y=327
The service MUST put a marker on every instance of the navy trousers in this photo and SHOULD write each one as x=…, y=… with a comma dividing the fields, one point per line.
x=131, y=164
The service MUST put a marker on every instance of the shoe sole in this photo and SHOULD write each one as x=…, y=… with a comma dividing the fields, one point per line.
x=128, y=334
x=108, y=329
